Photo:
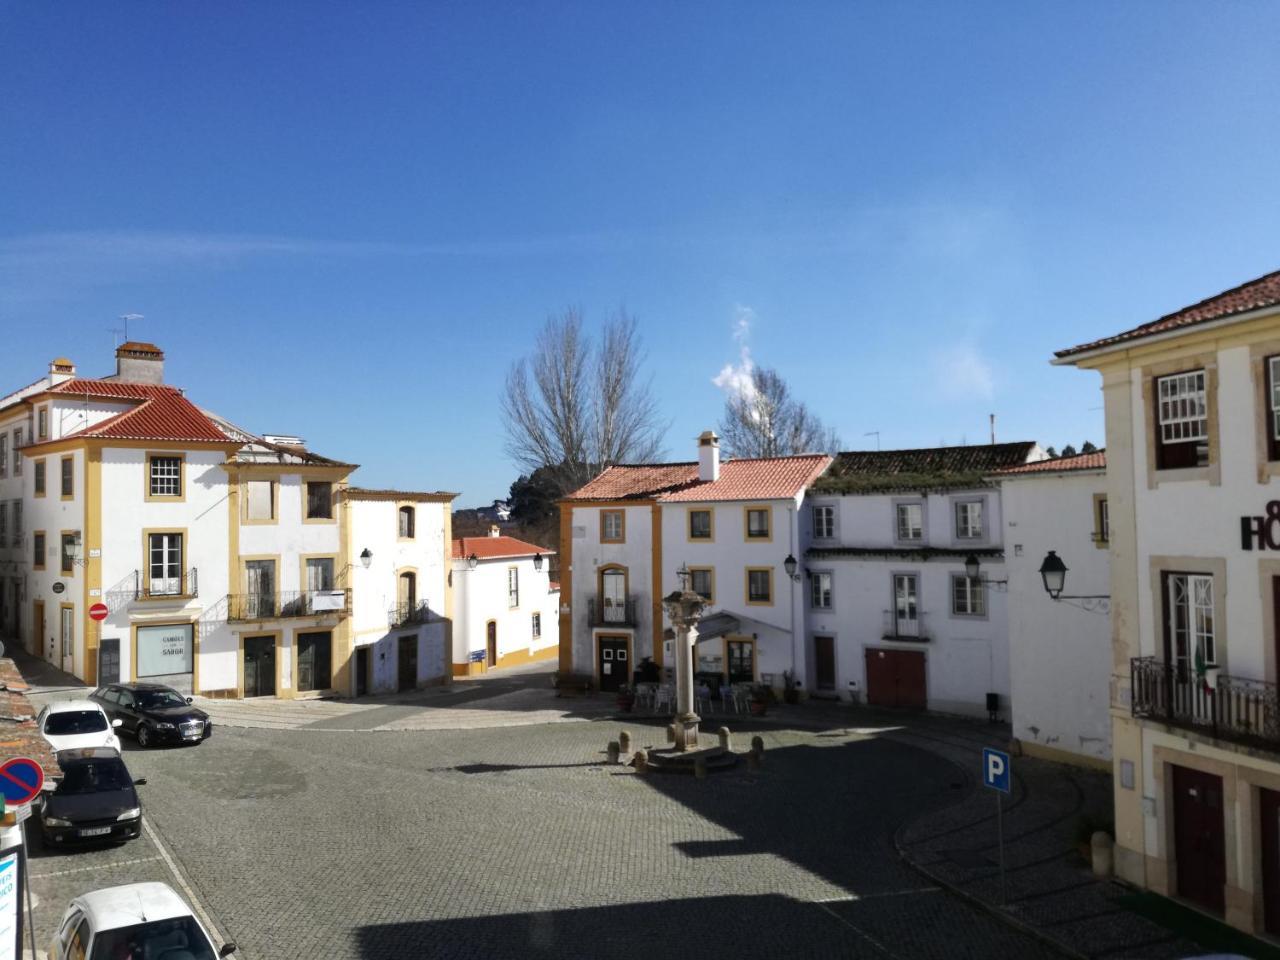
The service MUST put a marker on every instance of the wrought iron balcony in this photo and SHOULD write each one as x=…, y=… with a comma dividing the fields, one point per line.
x=904, y=630
x=408, y=613
x=182, y=587
x=1240, y=710
x=608, y=612
x=291, y=603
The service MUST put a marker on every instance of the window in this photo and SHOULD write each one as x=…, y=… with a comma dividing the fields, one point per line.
x=1182, y=421
x=968, y=599
x=906, y=608
x=1273, y=406
x=406, y=521
x=824, y=522
x=758, y=523
x=910, y=523
x=513, y=587
x=759, y=585
x=968, y=519
x=319, y=573
x=1191, y=637
x=820, y=591
x=69, y=543
x=4, y=524
x=17, y=524
x=68, y=467
x=164, y=476
x=702, y=581
x=164, y=564
x=699, y=524
x=42, y=423
x=37, y=550
x=319, y=500
x=1101, y=520
x=68, y=630
x=260, y=500
x=37, y=478
x=535, y=625
x=260, y=587
x=4, y=454
x=612, y=526
x=17, y=452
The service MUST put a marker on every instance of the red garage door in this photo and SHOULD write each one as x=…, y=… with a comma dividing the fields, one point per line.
x=895, y=678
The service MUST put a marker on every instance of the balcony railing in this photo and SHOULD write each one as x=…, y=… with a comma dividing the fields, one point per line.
x=1241, y=710
x=183, y=586
x=608, y=612
x=291, y=603
x=409, y=613
x=902, y=629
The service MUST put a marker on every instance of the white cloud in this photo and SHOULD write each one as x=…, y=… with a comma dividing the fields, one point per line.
x=735, y=379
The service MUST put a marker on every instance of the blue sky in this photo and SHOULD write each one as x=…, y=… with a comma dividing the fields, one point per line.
x=345, y=221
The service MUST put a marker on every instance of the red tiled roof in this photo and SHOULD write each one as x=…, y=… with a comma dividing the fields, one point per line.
x=162, y=413
x=1254, y=295
x=1081, y=461
x=772, y=478
x=493, y=548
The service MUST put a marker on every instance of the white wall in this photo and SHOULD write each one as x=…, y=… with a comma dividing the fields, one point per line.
x=1060, y=653
x=589, y=554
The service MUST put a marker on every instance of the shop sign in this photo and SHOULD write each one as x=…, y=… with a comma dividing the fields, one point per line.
x=1261, y=533
x=164, y=650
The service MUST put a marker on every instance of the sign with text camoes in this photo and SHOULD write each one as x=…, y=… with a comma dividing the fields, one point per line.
x=164, y=650
x=1262, y=533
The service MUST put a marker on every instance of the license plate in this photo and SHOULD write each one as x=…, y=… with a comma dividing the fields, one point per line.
x=95, y=831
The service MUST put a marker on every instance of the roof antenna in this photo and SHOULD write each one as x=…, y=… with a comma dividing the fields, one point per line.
x=125, y=318
x=993, y=429
x=876, y=434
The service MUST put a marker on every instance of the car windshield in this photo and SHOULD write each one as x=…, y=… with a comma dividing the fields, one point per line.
x=94, y=776
x=159, y=699
x=177, y=939
x=72, y=722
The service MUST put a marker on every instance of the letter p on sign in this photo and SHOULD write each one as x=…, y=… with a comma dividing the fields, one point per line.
x=995, y=770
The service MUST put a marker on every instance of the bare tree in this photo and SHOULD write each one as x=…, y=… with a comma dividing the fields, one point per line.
x=762, y=419
x=578, y=406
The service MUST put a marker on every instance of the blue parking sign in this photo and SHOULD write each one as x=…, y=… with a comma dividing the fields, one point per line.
x=995, y=770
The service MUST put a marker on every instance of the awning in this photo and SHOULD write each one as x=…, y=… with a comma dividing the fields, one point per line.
x=710, y=627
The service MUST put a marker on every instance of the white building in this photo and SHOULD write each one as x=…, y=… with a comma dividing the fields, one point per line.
x=1193, y=453
x=506, y=609
x=892, y=614
x=734, y=525
x=1059, y=653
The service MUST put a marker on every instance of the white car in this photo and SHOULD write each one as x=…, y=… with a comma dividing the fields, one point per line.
x=137, y=921
x=74, y=724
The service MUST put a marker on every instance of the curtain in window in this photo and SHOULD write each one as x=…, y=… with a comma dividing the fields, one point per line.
x=260, y=579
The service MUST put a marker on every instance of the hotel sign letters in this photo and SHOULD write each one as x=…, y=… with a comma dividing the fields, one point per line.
x=1262, y=533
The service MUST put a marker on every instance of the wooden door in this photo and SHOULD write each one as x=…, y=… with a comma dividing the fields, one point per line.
x=259, y=666
x=613, y=662
x=742, y=661
x=37, y=631
x=491, y=643
x=1269, y=808
x=824, y=655
x=407, y=663
x=314, y=661
x=1199, y=842
x=362, y=670
x=896, y=678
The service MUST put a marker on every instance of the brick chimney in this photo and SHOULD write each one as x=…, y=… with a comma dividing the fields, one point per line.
x=138, y=362
x=708, y=456
x=494, y=531
x=60, y=370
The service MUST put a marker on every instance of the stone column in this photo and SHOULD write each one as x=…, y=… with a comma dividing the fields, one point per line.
x=684, y=608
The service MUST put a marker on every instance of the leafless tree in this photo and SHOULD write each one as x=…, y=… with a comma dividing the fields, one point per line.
x=577, y=405
x=763, y=419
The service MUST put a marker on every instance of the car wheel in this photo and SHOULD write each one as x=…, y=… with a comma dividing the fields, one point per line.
x=144, y=736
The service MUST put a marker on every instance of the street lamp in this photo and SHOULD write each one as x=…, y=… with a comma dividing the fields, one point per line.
x=1054, y=574
x=366, y=558
x=789, y=565
x=973, y=570
x=472, y=561
x=537, y=562
x=683, y=576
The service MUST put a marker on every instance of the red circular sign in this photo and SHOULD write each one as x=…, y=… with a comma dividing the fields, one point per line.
x=20, y=780
x=98, y=612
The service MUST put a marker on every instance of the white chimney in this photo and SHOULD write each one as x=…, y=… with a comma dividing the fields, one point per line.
x=494, y=531
x=60, y=371
x=708, y=456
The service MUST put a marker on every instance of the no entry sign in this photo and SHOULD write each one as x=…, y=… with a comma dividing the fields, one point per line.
x=98, y=612
x=20, y=780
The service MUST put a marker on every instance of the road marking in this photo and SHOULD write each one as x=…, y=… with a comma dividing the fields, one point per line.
x=186, y=887
x=96, y=866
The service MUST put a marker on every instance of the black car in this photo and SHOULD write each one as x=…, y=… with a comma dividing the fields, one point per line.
x=154, y=713
x=95, y=799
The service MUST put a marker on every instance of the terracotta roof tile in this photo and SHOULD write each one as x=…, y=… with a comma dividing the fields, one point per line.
x=1254, y=295
x=493, y=548
x=1081, y=461
x=162, y=413
x=772, y=478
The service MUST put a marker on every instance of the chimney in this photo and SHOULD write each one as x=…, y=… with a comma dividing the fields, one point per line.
x=138, y=362
x=60, y=370
x=708, y=456
x=493, y=530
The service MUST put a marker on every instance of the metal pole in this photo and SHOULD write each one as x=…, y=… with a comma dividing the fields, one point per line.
x=26, y=883
x=1000, y=836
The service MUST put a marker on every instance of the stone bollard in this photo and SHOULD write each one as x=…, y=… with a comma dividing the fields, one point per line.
x=613, y=751
x=700, y=767
x=753, y=760
x=624, y=741
x=757, y=745
x=671, y=733
x=724, y=739
x=641, y=761
x=1103, y=850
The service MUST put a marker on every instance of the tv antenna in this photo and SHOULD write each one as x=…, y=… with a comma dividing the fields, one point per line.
x=124, y=329
x=876, y=434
